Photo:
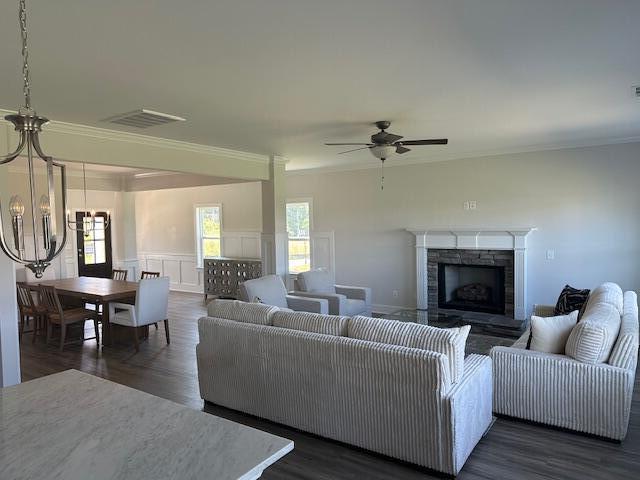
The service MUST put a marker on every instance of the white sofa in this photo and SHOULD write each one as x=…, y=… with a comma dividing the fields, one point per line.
x=318, y=373
x=270, y=290
x=579, y=390
x=343, y=299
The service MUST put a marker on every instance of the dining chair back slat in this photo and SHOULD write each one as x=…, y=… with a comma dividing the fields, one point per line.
x=149, y=275
x=119, y=274
x=50, y=300
x=25, y=300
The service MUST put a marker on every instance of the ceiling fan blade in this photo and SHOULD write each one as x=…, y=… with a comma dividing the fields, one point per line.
x=354, y=150
x=400, y=149
x=433, y=141
x=385, y=138
x=367, y=144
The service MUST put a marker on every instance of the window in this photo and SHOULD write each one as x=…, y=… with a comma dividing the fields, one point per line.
x=208, y=232
x=298, y=228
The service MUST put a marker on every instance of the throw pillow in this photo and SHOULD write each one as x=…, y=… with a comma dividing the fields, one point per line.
x=571, y=299
x=550, y=334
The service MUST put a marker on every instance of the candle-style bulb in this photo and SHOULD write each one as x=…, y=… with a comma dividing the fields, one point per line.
x=16, y=206
x=45, y=206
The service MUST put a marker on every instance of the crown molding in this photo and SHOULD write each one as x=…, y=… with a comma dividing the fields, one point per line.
x=393, y=163
x=106, y=134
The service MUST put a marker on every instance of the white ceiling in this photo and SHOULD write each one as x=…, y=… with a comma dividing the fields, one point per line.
x=285, y=76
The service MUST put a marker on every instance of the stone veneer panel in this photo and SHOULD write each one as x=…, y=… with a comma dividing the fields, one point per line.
x=499, y=258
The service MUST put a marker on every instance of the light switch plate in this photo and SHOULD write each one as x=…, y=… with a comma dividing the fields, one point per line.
x=466, y=205
x=551, y=254
x=472, y=204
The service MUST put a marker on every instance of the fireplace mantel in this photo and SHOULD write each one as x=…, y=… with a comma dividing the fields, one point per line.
x=509, y=238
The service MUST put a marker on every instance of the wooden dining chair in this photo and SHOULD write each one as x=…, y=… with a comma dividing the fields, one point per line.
x=119, y=274
x=56, y=315
x=152, y=304
x=29, y=310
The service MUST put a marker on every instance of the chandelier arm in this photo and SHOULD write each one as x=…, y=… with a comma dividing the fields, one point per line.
x=32, y=191
x=17, y=151
x=54, y=238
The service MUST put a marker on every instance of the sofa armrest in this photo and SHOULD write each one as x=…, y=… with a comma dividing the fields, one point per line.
x=337, y=302
x=307, y=304
x=358, y=293
x=560, y=391
x=544, y=310
x=469, y=407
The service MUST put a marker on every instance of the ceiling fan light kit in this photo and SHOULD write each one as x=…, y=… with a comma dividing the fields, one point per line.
x=384, y=144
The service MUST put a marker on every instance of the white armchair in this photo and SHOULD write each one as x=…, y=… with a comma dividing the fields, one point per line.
x=558, y=390
x=343, y=300
x=270, y=290
x=152, y=303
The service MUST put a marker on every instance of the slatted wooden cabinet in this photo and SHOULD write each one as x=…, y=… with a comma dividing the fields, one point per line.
x=223, y=276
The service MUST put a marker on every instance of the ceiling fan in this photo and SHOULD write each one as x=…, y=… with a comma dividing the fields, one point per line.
x=384, y=144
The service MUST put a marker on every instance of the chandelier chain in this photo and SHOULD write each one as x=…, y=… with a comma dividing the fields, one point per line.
x=26, y=90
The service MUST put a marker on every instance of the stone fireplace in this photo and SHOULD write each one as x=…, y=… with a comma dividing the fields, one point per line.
x=482, y=270
x=473, y=280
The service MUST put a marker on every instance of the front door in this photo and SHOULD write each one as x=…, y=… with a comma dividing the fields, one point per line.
x=94, y=247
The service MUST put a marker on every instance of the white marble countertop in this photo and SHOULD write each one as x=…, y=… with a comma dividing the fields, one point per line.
x=72, y=425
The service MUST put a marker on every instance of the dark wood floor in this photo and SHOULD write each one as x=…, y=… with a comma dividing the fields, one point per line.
x=511, y=450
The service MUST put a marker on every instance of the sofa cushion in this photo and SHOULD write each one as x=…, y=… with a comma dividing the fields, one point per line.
x=317, y=281
x=592, y=339
x=257, y=313
x=550, y=334
x=448, y=341
x=606, y=293
x=312, y=322
x=571, y=299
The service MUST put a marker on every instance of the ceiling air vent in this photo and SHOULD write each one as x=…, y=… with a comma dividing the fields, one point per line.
x=143, y=118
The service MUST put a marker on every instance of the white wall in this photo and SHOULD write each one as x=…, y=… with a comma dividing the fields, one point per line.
x=165, y=228
x=585, y=203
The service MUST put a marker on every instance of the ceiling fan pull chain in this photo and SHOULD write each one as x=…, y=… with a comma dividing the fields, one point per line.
x=382, y=179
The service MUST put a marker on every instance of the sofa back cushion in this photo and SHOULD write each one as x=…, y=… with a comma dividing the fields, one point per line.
x=312, y=322
x=317, y=281
x=448, y=341
x=592, y=339
x=242, y=311
x=625, y=350
x=606, y=293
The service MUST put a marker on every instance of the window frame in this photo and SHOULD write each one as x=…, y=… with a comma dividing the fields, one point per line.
x=198, y=230
x=308, y=200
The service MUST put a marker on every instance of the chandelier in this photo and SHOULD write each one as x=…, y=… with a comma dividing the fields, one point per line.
x=88, y=222
x=28, y=125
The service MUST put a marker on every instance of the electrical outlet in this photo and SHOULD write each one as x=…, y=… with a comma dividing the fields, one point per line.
x=472, y=204
x=396, y=294
x=465, y=205
x=551, y=254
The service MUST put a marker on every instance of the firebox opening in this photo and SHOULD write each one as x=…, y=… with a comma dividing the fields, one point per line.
x=478, y=288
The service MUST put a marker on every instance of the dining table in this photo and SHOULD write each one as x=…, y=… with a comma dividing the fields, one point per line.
x=99, y=291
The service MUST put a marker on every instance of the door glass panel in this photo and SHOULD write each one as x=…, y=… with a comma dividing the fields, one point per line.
x=89, y=255
x=100, y=251
x=98, y=232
